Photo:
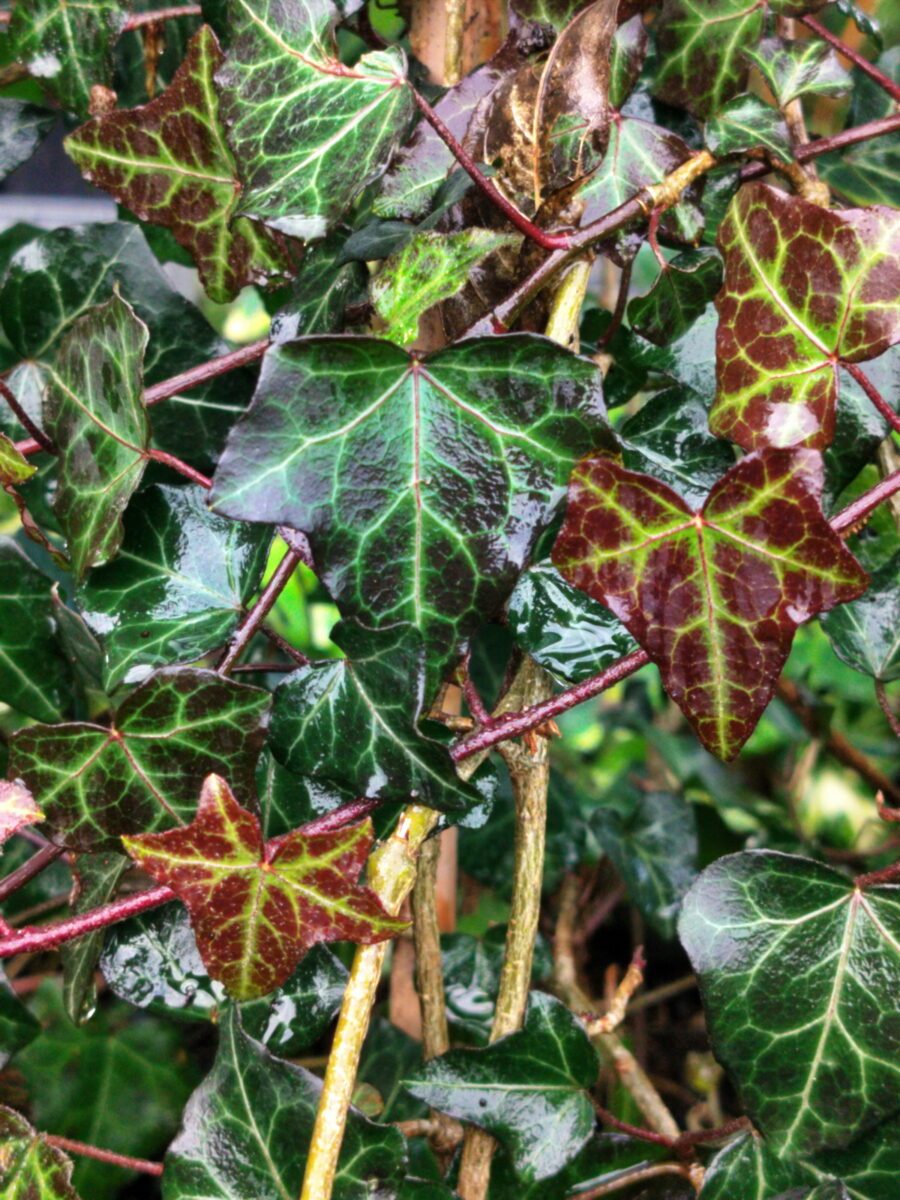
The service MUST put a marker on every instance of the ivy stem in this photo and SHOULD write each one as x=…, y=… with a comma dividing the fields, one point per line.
x=24, y=420
x=848, y=518
x=246, y=631
x=618, y=314
x=28, y=870
x=183, y=468
x=529, y=771
x=886, y=707
x=548, y=241
x=874, y=395
x=639, y=1175
x=391, y=875
x=205, y=371
x=106, y=1156
x=427, y=940
x=892, y=89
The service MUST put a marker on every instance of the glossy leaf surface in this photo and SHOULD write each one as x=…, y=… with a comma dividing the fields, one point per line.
x=96, y=878
x=474, y=445
x=870, y=172
x=868, y=1166
x=169, y=163
x=33, y=678
x=246, y=1130
x=256, y=908
x=792, y=69
x=144, y=771
x=679, y=295
x=866, y=633
x=812, y=1047
x=527, y=1089
x=178, y=586
x=29, y=1168
x=68, y=47
x=22, y=129
x=152, y=961
x=805, y=289
x=747, y=123
x=746, y=1169
x=94, y=412
x=713, y=597
x=307, y=132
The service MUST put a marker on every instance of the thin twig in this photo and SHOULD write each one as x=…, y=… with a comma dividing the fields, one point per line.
x=874, y=395
x=205, y=371
x=615, y=1014
x=29, y=869
x=183, y=468
x=886, y=707
x=618, y=314
x=666, y=991
x=427, y=940
x=105, y=1156
x=627, y=1178
x=246, y=631
x=24, y=420
x=892, y=89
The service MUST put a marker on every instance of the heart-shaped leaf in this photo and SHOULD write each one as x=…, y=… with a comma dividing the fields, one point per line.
x=715, y=596
x=527, y=1089
x=411, y=541
x=246, y=1131
x=308, y=133
x=94, y=412
x=256, y=908
x=30, y=1169
x=178, y=586
x=805, y=290
x=169, y=163
x=799, y=971
x=142, y=772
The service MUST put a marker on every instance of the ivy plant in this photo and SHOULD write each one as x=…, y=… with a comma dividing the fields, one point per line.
x=449, y=602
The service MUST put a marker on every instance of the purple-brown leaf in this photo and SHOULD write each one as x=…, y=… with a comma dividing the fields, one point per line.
x=257, y=907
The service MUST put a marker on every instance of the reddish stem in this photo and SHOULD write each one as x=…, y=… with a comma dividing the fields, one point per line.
x=473, y=698
x=24, y=420
x=621, y=304
x=260, y=610
x=106, y=1156
x=892, y=89
x=183, y=468
x=889, y=874
x=353, y=810
x=848, y=518
x=29, y=869
x=874, y=395
x=547, y=241
x=892, y=719
x=205, y=371
x=837, y=141
x=645, y=1135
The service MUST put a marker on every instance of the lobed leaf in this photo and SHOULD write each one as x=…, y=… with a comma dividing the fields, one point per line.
x=794, y=69
x=30, y=1169
x=256, y=908
x=715, y=596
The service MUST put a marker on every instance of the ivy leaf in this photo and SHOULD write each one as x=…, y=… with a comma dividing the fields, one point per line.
x=18, y=1027
x=805, y=290
x=868, y=1166
x=256, y=908
x=569, y=634
x=794, y=69
x=527, y=1089
x=152, y=961
x=409, y=542
x=746, y=1169
x=629, y=49
x=811, y=1048
x=866, y=633
x=430, y=268
x=747, y=123
x=246, y=1130
x=169, y=163
x=322, y=288
x=352, y=722
x=94, y=412
x=713, y=597
x=22, y=129
x=30, y=1169
x=669, y=438
x=33, y=675
x=97, y=877
x=17, y=808
x=868, y=173
x=178, y=586
x=679, y=295
x=308, y=133
x=144, y=770
x=68, y=47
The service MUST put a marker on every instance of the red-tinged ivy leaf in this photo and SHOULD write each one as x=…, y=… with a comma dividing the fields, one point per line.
x=714, y=596
x=168, y=162
x=94, y=411
x=142, y=772
x=256, y=908
x=308, y=133
x=17, y=808
x=805, y=290
x=30, y=1169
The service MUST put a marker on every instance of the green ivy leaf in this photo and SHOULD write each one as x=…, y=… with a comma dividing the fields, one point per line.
x=137, y=1061
x=430, y=268
x=629, y=49
x=868, y=173
x=679, y=295
x=178, y=586
x=22, y=129
x=471, y=968
x=603, y=1160
x=152, y=961
x=527, y=1089
x=308, y=133
x=256, y=908
x=868, y=1166
x=669, y=438
x=143, y=772
x=68, y=47
x=33, y=675
x=325, y=283
x=798, y=969
x=794, y=69
x=747, y=1169
x=866, y=633
x=18, y=1027
x=94, y=412
x=352, y=723
x=408, y=542
x=29, y=1168
x=747, y=123
x=563, y=629
x=287, y=801
x=246, y=1130
x=169, y=163
x=780, y=341
x=96, y=877
x=713, y=597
